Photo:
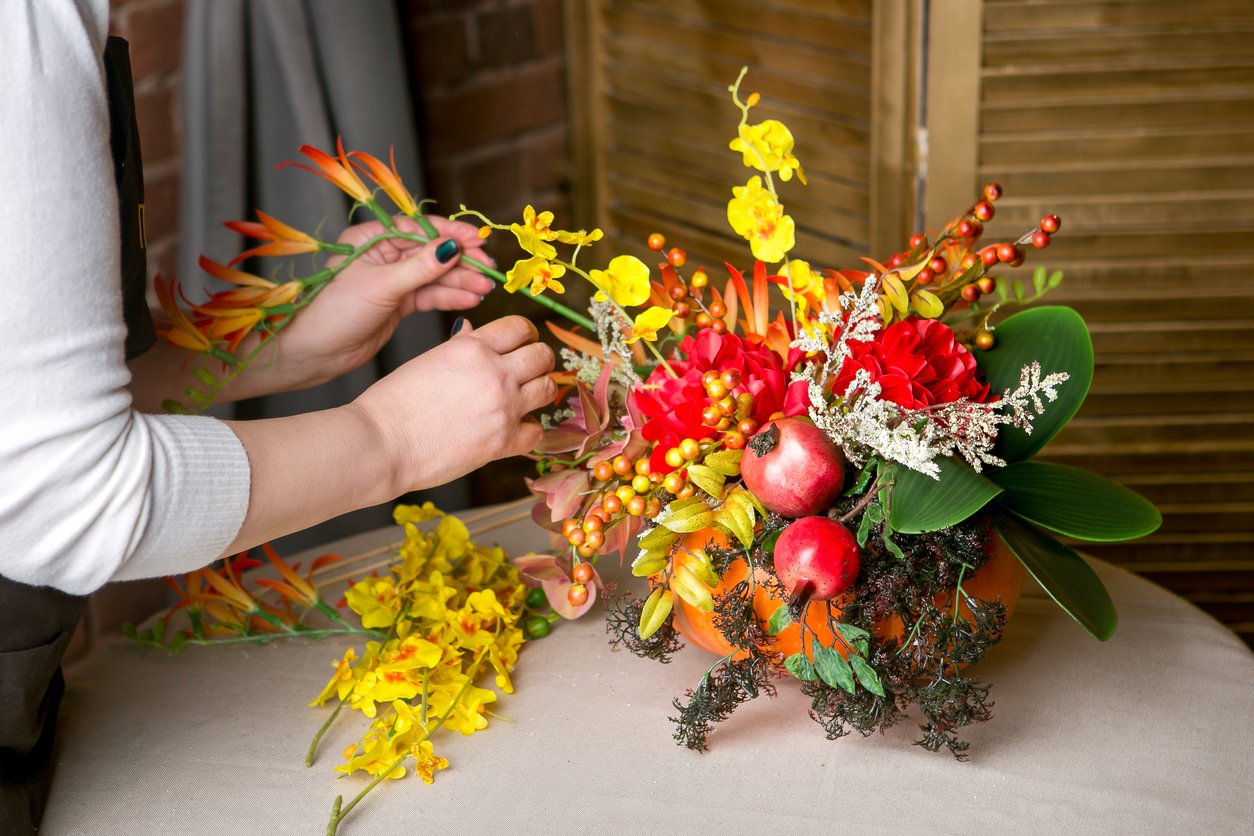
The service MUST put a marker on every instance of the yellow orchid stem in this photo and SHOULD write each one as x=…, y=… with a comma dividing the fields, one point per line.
x=661, y=359
x=313, y=746
x=770, y=181
x=338, y=812
x=622, y=311
x=497, y=275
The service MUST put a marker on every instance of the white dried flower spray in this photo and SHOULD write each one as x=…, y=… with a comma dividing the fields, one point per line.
x=864, y=425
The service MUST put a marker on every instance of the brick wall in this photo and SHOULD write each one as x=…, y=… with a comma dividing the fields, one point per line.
x=489, y=81
x=154, y=29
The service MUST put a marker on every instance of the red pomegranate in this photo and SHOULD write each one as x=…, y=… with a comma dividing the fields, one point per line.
x=816, y=558
x=793, y=468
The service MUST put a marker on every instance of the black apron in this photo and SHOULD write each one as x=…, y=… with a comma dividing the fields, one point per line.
x=36, y=623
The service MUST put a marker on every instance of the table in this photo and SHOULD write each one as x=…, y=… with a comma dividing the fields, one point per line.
x=1151, y=732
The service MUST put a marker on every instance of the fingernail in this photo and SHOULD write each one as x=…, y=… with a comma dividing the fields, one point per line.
x=446, y=252
x=458, y=324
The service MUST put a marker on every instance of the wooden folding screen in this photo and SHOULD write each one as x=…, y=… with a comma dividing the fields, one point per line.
x=1134, y=121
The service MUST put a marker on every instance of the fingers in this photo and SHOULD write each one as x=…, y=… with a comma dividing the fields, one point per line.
x=438, y=298
x=467, y=279
x=506, y=334
x=530, y=361
x=463, y=233
x=537, y=393
x=527, y=438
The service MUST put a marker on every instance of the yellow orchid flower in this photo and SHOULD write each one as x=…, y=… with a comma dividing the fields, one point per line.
x=415, y=514
x=626, y=281
x=581, y=238
x=756, y=215
x=539, y=272
x=534, y=233
x=342, y=681
x=767, y=146
x=649, y=323
x=426, y=762
x=376, y=600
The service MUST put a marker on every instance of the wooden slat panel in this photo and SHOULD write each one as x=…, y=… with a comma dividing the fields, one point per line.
x=665, y=119
x=1135, y=122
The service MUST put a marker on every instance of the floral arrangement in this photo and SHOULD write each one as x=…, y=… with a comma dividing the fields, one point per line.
x=823, y=474
x=838, y=489
x=443, y=613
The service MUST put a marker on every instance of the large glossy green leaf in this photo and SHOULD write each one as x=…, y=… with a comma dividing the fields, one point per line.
x=1068, y=579
x=920, y=503
x=1075, y=502
x=1059, y=340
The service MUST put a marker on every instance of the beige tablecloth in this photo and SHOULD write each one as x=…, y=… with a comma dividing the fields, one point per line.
x=1151, y=732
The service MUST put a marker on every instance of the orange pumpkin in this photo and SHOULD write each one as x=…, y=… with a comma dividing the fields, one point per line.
x=1001, y=577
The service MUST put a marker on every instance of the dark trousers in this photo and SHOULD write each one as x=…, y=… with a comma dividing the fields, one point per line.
x=36, y=624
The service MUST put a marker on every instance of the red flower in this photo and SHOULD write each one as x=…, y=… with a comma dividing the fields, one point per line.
x=673, y=406
x=918, y=363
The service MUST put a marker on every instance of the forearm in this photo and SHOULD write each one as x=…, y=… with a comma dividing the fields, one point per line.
x=165, y=372
x=308, y=468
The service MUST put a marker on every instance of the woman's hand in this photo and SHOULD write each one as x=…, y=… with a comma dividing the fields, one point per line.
x=462, y=404
x=352, y=318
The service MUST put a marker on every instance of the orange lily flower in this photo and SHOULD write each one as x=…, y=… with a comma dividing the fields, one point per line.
x=232, y=314
x=581, y=344
x=337, y=170
x=757, y=307
x=296, y=589
x=181, y=331
x=284, y=240
x=386, y=178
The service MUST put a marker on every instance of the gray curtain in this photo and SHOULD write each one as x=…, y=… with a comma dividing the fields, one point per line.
x=261, y=78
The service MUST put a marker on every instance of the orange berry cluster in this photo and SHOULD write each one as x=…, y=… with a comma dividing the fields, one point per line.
x=970, y=279
x=687, y=298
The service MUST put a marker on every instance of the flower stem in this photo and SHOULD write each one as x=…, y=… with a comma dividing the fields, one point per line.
x=313, y=746
x=338, y=813
x=493, y=273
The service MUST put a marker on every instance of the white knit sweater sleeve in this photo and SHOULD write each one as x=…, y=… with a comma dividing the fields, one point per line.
x=90, y=490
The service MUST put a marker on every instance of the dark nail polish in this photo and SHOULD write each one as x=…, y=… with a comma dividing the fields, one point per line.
x=447, y=251
x=458, y=324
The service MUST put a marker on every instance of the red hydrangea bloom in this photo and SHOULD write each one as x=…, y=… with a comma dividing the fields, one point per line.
x=673, y=406
x=918, y=363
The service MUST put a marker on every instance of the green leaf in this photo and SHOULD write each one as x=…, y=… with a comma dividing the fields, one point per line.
x=801, y=667
x=779, y=619
x=726, y=462
x=927, y=304
x=863, y=479
x=1074, y=502
x=692, y=589
x=688, y=515
x=1059, y=340
x=870, y=516
x=649, y=563
x=920, y=503
x=737, y=516
x=707, y=479
x=856, y=636
x=867, y=676
x=657, y=608
x=833, y=669
x=1038, y=280
x=128, y=630
x=659, y=539
x=1065, y=575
